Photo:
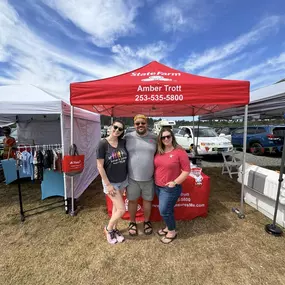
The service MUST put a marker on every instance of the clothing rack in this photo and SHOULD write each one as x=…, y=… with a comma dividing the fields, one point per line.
x=22, y=211
x=38, y=146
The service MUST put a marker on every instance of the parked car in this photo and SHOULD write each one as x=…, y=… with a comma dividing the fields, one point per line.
x=209, y=143
x=226, y=132
x=103, y=133
x=129, y=130
x=260, y=139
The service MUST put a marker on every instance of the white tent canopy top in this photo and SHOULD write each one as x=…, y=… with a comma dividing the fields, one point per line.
x=25, y=99
x=267, y=101
x=43, y=118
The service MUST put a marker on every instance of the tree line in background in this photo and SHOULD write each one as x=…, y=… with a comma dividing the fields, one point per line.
x=106, y=121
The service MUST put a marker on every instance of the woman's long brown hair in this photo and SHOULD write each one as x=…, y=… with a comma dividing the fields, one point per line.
x=160, y=145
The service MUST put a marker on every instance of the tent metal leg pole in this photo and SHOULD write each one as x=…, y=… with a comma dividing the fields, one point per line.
x=112, y=116
x=72, y=212
x=240, y=212
x=194, y=146
x=241, y=215
x=64, y=175
x=20, y=193
x=272, y=228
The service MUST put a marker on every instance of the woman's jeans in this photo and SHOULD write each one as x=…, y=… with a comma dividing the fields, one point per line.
x=167, y=199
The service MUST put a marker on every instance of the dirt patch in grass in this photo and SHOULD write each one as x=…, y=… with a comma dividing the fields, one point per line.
x=55, y=248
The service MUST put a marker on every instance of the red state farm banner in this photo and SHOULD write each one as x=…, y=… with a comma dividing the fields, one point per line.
x=157, y=90
x=192, y=203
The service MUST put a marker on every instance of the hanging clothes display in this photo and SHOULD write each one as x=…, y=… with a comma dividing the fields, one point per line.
x=41, y=163
x=34, y=160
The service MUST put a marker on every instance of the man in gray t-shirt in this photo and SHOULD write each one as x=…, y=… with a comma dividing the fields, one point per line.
x=141, y=147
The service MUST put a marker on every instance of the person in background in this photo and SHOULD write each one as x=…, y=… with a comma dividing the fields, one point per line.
x=9, y=144
x=141, y=147
x=112, y=166
x=171, y=168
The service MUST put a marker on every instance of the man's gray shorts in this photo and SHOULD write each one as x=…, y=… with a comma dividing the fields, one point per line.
x=144, y=189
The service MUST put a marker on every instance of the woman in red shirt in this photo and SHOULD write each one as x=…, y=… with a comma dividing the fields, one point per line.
x=171, y=168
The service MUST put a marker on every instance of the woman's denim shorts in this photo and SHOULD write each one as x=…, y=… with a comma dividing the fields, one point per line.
x=117, y=186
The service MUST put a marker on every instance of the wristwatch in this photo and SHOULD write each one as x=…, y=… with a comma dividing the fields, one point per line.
x=175, y=183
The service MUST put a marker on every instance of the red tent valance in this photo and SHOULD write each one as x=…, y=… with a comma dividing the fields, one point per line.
x=157, y=90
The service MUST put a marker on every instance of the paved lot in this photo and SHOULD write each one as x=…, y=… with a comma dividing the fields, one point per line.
x=266, y=160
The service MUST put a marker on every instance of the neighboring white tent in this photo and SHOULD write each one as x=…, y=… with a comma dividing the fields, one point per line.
x=267, y=102
x=43, y=118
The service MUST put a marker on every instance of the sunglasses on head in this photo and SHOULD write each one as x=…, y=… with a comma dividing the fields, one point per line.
x=118, y=128
x=166, y=137
x=140, y=123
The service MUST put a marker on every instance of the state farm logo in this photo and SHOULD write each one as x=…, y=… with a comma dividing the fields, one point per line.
x=75, y=162
x=156, y=78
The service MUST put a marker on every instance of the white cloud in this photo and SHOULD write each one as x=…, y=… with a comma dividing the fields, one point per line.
x=263, y=29
x=221, y=68
x=218, y=69
x=44, y=17
x=105, y=21
x=265, y=73
x=273, y=64
x=4, y=55
x=180, y=15
x=36, y=61
x=134, y=58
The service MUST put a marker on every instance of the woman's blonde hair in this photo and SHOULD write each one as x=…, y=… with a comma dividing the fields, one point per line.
x=160, y=145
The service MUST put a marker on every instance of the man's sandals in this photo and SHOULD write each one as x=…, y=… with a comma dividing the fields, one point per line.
x=133, y=229
x=147, y=228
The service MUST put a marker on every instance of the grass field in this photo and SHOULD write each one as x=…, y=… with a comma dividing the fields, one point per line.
x=55, y=248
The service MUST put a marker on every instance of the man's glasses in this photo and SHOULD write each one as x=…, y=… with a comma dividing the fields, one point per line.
x=166, y=137
x=118, y=128
x=140, y=123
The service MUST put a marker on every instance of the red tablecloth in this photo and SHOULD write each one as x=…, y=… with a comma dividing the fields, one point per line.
x=192, y=203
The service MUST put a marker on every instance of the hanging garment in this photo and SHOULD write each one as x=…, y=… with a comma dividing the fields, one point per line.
x=26, y=163
x=48, y=159
x=35, y=166
x=31, y=162
x=58, y=163
x=55, y=157
x=38, y=163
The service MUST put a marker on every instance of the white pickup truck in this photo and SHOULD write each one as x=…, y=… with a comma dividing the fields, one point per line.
x=209, y=142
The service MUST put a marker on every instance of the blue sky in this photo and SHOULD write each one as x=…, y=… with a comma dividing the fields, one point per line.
x=50, y=43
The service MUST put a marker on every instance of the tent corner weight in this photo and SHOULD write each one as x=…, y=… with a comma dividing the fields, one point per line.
x=239, y=214
x=273, y=230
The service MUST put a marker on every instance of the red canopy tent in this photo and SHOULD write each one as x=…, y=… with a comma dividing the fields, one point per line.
x=157, y=90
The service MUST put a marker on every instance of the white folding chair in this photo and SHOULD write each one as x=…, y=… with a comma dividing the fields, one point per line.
x=230, y=165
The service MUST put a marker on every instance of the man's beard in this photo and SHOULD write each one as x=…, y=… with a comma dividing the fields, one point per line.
x=142, y=132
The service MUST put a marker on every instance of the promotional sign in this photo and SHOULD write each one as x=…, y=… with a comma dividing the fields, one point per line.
x=158, y=90
x=192, y=203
